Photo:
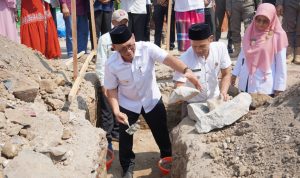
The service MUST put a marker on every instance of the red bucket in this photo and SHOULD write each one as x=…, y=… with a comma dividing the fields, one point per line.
x=109, y=158
x=164, y=165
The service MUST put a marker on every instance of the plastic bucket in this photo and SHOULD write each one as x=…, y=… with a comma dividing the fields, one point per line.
x=109, y=158
x=163, y=163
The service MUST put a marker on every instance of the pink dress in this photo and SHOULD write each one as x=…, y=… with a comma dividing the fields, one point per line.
x=8, y=26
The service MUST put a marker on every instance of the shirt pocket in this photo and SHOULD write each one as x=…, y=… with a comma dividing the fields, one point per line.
x=125, y=78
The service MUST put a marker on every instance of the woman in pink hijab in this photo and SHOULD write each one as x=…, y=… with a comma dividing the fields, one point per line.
x=261, y=65
x=8, y=18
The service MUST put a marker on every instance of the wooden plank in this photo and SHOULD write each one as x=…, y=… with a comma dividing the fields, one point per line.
x=93, y=24
x=70, y=60
x=169, y=25
x=74, y=37
x=78, y=80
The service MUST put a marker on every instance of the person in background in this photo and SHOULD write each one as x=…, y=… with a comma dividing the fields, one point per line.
x=209, y=12
x=82, y=24
x=220, y=12
x=8, y=19
x=53, y=5
x=133, y=91
x=187, y=12
x=238, y=11
x=137, y=14
x=290, y=10
x=207, y=59
x=105, y=117
x=38, y=30
x=261, y=65
x=148, y=18
x=269, y=1
x=160, y=12
x=103, y=12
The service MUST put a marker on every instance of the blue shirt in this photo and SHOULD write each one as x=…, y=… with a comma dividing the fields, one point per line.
x=104, y=7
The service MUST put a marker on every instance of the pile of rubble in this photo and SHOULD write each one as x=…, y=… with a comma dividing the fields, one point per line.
x=43, y=134
x=264, y=143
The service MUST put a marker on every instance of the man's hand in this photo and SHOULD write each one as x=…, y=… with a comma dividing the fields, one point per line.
x=65, y=10
x=193, y=79
x=279, y=10
x=224, y=96
x=122, y=118
x=104, y=1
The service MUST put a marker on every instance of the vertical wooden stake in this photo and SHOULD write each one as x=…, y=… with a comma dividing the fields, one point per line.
x=93, y=24
x=74, y=37
x=169, y=24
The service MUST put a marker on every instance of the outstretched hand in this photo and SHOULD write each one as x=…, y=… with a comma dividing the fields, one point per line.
x=193, y=79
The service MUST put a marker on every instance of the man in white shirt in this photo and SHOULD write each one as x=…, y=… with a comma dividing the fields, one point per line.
x=132, y=90
x=137, y=14
x=105, y=117
x=206, y=59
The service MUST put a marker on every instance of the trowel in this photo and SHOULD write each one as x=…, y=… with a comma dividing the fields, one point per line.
x=132, y=128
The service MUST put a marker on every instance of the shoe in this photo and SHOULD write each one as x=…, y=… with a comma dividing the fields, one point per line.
x=110, y=146
x=290, y=55
x=128, y=174
x=237, y=50
x=297, y=56
x=172, y=46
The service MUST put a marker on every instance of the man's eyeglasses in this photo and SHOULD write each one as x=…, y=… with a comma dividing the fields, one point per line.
x=126, y=48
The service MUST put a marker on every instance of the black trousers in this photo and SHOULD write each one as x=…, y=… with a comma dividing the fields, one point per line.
x=219, y=16
x=159, y=15
x=137, y=25
x=105, y=117
x=102, y=22
x=210, y=19
x=157, y=121
x=147, y=27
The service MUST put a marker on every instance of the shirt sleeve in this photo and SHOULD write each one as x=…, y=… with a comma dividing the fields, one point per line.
x=156, y=53
x=110, y=79
x=178, y=76
x=280, y=71
x=237, y=68
x=101, y=59
x=225, y=58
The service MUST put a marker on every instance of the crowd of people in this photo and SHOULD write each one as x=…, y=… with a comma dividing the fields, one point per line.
x=126, y=57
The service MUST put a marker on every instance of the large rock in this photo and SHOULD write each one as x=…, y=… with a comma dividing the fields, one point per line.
x=29, y=164
x=18, y=116
x=46, y=130
x=225, y=114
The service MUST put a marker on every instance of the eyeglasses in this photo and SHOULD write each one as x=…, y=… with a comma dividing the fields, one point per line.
x=126, y=48
x=263, y=21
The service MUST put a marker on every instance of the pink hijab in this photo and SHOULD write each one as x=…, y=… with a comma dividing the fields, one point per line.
x=260, y=54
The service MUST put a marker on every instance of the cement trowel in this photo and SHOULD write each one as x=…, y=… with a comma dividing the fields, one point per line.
x=132, y=128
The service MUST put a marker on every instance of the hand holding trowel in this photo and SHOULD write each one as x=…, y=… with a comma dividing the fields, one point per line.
x=122, y=118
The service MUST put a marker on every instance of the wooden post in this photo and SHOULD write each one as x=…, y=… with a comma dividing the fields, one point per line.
x=93, y=24
x=78, y=80
x=169, y=25
x=74, y=37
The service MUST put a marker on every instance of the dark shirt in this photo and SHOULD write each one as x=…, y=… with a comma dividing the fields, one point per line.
x=104, y=7
x=81, y=6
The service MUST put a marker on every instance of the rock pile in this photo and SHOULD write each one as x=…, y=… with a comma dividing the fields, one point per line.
x=43, y=134
x=264, y=143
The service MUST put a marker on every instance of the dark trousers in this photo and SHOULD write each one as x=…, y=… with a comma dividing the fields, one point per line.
x=159, y=15
x=105, y=117
x=147, y=27
x=219, y=16
x=102, y=22
x=137, y=25
x=53, y=13
x=210, y=20
x=157, y=121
